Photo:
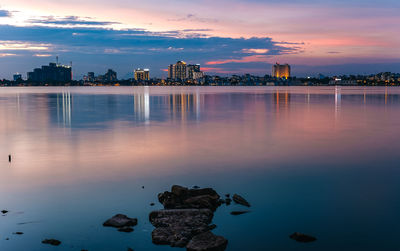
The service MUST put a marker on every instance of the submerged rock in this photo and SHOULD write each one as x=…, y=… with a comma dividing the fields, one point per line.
x=176, y=227
x=4, y=211
x=302, y=237
x=228, y=201
x=240, y=200
x=120, y=220
x=183, y=198
x=207, y=241
x=239, y=212
x=53, y=242
x=18, y=233
x=125, y=229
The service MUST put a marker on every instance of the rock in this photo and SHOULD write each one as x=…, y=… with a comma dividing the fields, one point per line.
x=7, y=239
x=240, y=200
x=142, y=187
x=239, y=212
x=184, y=198
x=125, y=229
x=227, y=195
x=207, y=241
x=302, y=237
x=196, y=187
x=4, y=211
x=84, y=250
x=152, y=204
x=228, y=201
x=18, y=233
x=53, y=242
x=176, y=227
x=119, y=221
x=130, y=249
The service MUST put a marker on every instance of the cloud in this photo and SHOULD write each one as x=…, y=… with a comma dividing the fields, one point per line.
x=98, y=48
x=69, y=21
x=5, y=13
x=42, y=55
x=7, y=55
x=194, y=18
x=10, y=45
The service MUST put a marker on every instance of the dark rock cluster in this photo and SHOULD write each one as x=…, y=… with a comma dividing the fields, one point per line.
x=182, y=197
x=302, y=237
x=122, y=222
x=186, y=219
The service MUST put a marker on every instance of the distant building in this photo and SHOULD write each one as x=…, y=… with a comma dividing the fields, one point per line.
x=110, y=76
x=281, y=71
x=183, y=71
x=52, y=72
x=90, y=76
x=142, y=74
x=17, y=77
x=194, y=71
x=178, y=71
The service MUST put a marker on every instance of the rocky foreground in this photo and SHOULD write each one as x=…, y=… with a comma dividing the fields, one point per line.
x=186, y=219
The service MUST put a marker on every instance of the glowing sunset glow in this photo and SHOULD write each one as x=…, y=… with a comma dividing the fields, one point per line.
x=306, y=33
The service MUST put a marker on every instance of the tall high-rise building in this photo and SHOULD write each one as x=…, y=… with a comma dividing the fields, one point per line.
x=142, y=74
x=281, y=71
x=52, y=72
x=178, y=71
x=183, y=71
x=193, y=71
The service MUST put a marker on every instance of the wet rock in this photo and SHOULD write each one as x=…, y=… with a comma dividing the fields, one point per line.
x=18, y=233
x=302, y=237
x=7, y=239
x=196, y=187
x=125, y=229
x=119, y=221
x=4, y=211
x=184, y=198
x=240, y=200
x=142, y=187
x=207, y=241
x=130, y=249
x=227, y=195
x=239, y=212
x=152, y=204
x=228, y=201
x=53, y=242
x=84, y=250
x=176, y=227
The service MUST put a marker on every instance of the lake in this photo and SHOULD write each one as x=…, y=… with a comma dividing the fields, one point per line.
x=318, y=160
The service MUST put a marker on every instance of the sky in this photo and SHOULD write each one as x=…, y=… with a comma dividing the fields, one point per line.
x=226, y=37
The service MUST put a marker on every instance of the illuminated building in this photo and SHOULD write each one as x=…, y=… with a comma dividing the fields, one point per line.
x=52, y=72
x=281, y=71
x=183, y=71
x=178, y=71
x=142, y=74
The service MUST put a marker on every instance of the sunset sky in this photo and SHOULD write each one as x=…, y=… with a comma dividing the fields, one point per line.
x=225, y=36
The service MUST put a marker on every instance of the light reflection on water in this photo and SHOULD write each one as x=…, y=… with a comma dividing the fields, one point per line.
x=316, y=160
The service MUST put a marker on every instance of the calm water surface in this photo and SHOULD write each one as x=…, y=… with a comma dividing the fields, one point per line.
x=323, y=161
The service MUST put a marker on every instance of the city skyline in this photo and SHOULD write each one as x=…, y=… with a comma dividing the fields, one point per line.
x=228, y=37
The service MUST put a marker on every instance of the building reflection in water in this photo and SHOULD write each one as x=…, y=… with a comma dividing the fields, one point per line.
x=141, y=104
x=181, y=106
x=64, y=104
x=281, y=101
x=338, y=101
